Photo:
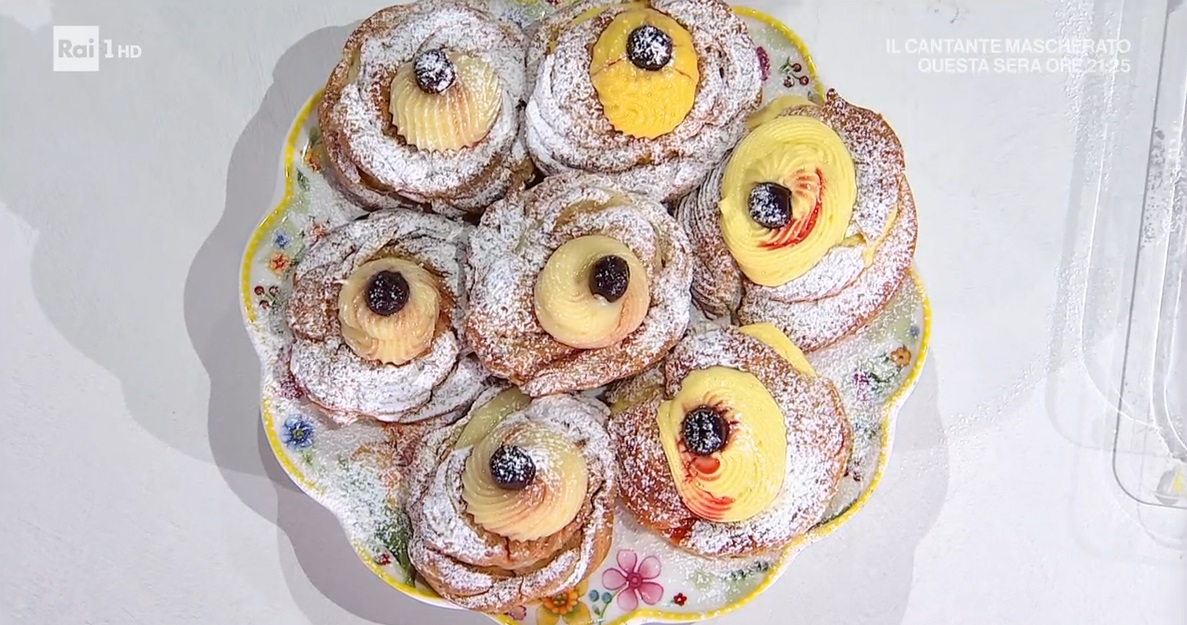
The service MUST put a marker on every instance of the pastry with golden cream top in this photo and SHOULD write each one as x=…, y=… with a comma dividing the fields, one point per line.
x=515, y=501
x=575, y=283
x=809, y=223
x=424, y=109
x=654, y=92
x=375, y=319
x=733, y=446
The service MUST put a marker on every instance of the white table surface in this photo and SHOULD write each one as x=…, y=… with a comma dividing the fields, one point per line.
x=135, y=483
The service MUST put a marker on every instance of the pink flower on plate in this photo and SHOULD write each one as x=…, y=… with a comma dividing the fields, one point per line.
x=632, y=580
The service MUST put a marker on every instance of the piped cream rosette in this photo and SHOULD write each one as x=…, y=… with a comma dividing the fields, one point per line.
x=515, y=501
x=574, y=283
x=733, y=446
x=374, y=316
x=808, y=224
x=424, y=109
x=653, y=92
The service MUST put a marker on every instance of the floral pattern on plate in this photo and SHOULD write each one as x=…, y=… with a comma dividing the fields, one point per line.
x=354, y=470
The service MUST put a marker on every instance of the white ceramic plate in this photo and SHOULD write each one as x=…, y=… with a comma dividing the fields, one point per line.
x=351, y=469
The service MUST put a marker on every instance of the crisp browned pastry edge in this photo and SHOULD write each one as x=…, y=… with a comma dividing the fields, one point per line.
x=319, y=356
x=514, y=346
x=646, y=487
x=368, y=193
x=347, y=177
x=435, y=565
x=719, y=288
x=808, y=325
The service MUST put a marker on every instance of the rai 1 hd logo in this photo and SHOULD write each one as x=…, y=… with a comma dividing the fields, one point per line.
x=79, y=49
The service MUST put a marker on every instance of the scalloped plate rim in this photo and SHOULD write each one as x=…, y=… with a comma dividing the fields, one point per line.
x=890, y=408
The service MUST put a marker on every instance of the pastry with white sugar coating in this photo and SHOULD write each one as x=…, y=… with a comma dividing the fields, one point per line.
x=374, y=315
x=653, y=93
x=424, y=109
x=514, y=502
x=808, y=224
x=575, y=283
x=733, y=446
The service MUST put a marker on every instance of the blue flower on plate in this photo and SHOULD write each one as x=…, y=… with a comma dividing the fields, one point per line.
x=298, y=432
x=281, y=240
x=913, y=331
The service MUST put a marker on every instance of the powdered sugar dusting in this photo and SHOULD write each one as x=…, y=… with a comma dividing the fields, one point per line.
x=513, y=243
x=359, y=469
x=567, y=129
x=877, y=158
x=837, y=269
x=716, y=280
x=818, y=439
x=840, y=292
x=480, y=570
x=814, y=324
x=467, y=179
x=348, y=386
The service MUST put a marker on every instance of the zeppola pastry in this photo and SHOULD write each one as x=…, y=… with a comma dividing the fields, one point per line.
x=808, y=224
x=495, y=291
x=575, y=283
x=733, y=446
x=654, y=92
x=424, y=109
x=374, y=315
x=515, y=501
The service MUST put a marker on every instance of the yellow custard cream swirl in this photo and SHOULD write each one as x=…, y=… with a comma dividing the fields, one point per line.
x=571, y=313
x=639, y=102
x=741, y=479
x=398, y=338
x=808, y=158
x=457, y=118
x=553, y=498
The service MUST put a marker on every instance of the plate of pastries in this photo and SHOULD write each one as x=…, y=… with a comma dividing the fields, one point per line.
x=585, y=312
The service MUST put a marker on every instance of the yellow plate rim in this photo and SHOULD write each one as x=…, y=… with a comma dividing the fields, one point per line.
x=649, y=615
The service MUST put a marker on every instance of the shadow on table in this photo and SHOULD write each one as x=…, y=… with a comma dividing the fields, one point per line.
x=100, y=185
x=324, y=558
x=212, y=304
x=876, y=548
x=323, y=566
x=863, y=572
